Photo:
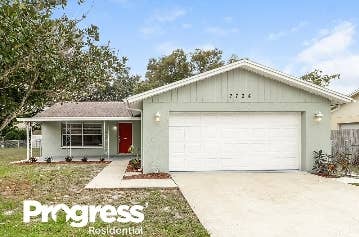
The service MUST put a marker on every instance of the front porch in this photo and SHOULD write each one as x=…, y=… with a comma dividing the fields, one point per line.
x=93, y=139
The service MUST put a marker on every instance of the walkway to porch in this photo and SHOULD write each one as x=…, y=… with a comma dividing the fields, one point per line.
x=111, y=177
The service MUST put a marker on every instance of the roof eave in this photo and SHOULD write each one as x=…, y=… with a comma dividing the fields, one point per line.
x=57, y=119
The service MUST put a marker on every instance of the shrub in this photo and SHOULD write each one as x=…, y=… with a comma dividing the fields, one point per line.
x=48, y=159
x=324, y=164
x=84, y=159
x=68, y=158
x=33, y=159
x=342, y=161
x=320, y=162
x=355, y=160
x=135, y=163
x=15, y=134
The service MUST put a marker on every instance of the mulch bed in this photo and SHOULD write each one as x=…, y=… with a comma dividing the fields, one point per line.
x=149, y=176
x=327, y=176
x=63, y=162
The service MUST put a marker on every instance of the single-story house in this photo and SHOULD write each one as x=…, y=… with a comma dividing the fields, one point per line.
x=346, y=116
x=242, y=116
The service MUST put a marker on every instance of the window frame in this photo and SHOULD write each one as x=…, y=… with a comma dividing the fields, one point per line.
x=82, y=134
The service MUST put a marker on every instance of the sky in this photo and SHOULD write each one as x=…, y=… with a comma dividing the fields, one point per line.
x=292, y=36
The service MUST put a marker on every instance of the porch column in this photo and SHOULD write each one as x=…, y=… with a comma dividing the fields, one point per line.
x=108, y=141
x=104, y=137
x=70, y=140
x=27, y=142
x=30, y=139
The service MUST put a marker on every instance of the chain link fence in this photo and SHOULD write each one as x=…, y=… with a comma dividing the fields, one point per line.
x=36, y=143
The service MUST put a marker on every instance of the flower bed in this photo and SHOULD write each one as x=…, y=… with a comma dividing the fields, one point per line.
x=60, y=162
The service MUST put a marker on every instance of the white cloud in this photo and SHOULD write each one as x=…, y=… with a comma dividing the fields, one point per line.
x=151, y=30
x=283, y=33
x=219, y=31
x=155, y=24
x=332, y=52
x=333, y=44
x=168, y=15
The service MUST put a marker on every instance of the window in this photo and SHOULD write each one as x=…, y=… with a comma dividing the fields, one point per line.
x=81, y=134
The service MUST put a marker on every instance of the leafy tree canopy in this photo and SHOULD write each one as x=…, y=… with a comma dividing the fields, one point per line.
x=179, y=65
x=44, y=60
x=318, y=78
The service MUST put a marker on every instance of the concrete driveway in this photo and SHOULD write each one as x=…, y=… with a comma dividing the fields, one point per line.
x=271, y=204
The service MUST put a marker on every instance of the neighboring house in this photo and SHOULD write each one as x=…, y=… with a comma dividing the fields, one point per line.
x=242, y=116
x=346, y=116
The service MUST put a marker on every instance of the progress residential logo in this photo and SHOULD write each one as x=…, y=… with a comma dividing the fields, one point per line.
x=82, y=215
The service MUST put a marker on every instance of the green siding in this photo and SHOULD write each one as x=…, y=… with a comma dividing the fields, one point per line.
x=218, y=88
x=212, y=95
x=51, y=140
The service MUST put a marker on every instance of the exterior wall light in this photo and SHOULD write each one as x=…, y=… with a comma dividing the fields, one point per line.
x=114, y=128
x=157, y=117
x=318, y=116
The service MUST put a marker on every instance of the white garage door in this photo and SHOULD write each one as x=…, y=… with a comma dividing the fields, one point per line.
x=201, y=141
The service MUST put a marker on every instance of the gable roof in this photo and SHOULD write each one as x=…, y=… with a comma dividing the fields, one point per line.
x=335, y=97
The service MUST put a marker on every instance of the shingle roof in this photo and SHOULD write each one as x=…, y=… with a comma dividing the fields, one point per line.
x=86, y=109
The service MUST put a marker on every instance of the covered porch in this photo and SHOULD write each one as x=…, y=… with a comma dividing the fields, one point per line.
x=74, y=131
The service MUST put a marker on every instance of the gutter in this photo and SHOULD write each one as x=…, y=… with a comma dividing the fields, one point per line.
x=45, y=119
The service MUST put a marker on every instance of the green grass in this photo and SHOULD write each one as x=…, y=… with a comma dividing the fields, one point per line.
x=166, y=214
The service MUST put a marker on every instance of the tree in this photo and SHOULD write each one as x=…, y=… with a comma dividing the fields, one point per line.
x=205, y=60
x=316, y=77
x=44, y=60
x=115, y=90
x=233, y=58
x=179, y=65
x=166, y=69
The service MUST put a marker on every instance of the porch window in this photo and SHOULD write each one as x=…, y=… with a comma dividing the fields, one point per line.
x=81, y=134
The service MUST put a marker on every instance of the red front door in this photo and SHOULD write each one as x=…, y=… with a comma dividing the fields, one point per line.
x=124, y=137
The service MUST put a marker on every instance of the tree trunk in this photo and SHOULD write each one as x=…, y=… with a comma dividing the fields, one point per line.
x=20, y=108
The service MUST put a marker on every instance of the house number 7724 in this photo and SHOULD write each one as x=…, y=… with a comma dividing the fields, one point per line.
x=239, y=95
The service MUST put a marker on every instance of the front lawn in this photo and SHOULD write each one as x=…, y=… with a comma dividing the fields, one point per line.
x=166, y=211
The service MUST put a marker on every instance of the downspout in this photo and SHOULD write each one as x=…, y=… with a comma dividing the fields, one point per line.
x=141, y=113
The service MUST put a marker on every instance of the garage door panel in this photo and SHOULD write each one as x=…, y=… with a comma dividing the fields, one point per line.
x=193, y=148
x=177, y=134
x=234, y=141
x=177, y=147
x=209, y=133
x=211, y=148
x=193, y=134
